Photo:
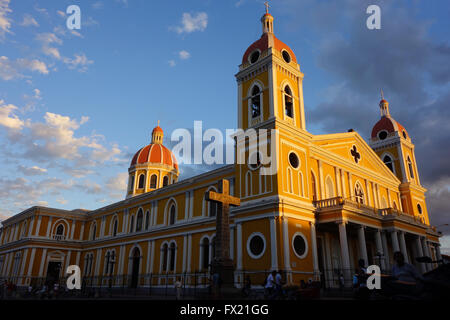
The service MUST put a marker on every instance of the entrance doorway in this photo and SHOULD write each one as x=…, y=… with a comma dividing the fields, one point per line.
x=53, y=272
x=136, y=260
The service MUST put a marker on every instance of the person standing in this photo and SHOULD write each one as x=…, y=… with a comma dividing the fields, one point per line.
x=270, y=283
x=178, y=288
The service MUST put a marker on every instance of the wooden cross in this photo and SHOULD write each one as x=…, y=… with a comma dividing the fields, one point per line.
x=355, y=154
x=267, y=6
x=224, y=200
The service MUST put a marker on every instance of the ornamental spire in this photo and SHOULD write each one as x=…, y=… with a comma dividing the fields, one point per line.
x=384, y=106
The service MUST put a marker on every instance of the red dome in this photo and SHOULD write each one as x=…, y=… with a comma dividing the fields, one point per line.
x=157, y=129
x=263, y=44
x=155, y=153
x=388, y=124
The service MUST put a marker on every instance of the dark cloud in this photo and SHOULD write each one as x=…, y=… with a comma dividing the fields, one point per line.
x=405, y=60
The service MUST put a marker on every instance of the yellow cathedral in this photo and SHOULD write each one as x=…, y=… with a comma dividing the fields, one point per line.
x=333, y=200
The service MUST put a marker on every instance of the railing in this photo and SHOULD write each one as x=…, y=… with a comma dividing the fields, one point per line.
x=384, y=213
x=59, y=237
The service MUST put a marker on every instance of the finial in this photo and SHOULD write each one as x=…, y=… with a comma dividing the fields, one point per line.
x=382, y=95
x=158, y=123
x=267, y=6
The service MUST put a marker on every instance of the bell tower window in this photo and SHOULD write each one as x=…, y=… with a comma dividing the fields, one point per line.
x=256, y=102
x=288, y=102
x=411, y=173
x=141, y=181
x=388, y=162
x=153, y=180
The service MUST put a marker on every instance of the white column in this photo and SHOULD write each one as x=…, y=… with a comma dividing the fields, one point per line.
x=41, y=267
x=425, y=252
x=375, y=203
x=338, y=183
x=394, y=239
x=350, y=186
x=121, y=259
x=72, y=230
x=403, y=246
x=344, y=250
x=314, y=250
x=77, y=261
x=419, y=251
x=67, y=262
x=184, y=253
x=30, y=228
x=362, y=245
x=22, y=267
x=286, y=244
x=82, y=231
x=38, y=226
x=186, y=205
x=30, y=264
x=189, y=253
x=273, y=244
x=49, y=225
x=191, y=204
x=321, y=186
x=97, y=262
x=379, y=247
x=239, y=246
x=344, y=194
x=149, y=253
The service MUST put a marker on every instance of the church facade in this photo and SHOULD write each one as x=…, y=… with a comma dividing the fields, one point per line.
x=333, y=200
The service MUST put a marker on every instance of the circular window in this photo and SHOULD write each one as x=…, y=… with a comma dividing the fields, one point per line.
x=254, y=56
x=286, y=56
x=300, y=245
x=382, y=135
x=293, y=160
x=256, y=245
x=419, y=208
x=404, y=134
x=255, y=163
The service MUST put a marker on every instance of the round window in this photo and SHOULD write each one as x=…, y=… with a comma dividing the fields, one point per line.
x=286, y=56
x=254, y=56
x=299, y=245
x=419, y=208
x=404, y=134
x=256, y=245
x=293, y=160
x=382, y=135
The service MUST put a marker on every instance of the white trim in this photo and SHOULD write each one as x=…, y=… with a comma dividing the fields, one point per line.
x=298, y=233
x=250, y=237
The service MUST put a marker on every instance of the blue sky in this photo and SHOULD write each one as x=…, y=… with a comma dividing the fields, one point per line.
x=75, y=106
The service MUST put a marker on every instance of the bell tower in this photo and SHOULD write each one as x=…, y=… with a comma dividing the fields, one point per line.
x=394, y=146
x=269, y=82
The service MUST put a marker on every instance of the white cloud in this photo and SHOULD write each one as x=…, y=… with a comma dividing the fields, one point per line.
x=5, y=22
x=29, y=21
x=62, y=201
x=47, y=39
x=7, y=117
x=191, y=23
x=79, y=62
x=33, y=65
x=184, y=55
x=31, y=171
x=172, y=63
x=10, y=69
x=117, y=185
x=60, y=13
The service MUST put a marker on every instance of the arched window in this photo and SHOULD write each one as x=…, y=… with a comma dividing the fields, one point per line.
x=205, y=255
x=388, y=162
x=172, y=251
x=359, y=193
x=329, y=188
x=164, y=250
x=256, y=102
x=383, y=203
x=165, y=181
x=141, y=181
x=107, y=262
x=153, y=181
x=288, y=102
x=132, y=224
x=211, y=206
x=115, y=225
x=147, y=220
x=88, y=259
x=60, y=230
x=411, y=173
x=172, y=215
x=313, y=185
x=140, y=217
